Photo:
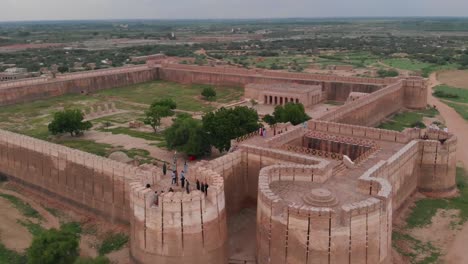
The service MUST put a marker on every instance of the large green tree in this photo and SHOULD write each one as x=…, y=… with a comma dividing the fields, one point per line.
x=290, y=112
x=158, y=110
x=69, y=121
x=54, y=247
x=187, y=135
x=226, y=124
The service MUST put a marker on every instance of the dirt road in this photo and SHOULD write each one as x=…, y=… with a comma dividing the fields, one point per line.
x=457, y=252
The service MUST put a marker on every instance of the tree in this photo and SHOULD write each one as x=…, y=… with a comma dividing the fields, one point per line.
x=209, y=93
x=158, y=110
x=269, y=119
x=165, y=102
x=290, y=112
x=187, y=135
x=54, y=247
x=390, y=73
x=226, y=124
x=63, y=69
x=69, y=121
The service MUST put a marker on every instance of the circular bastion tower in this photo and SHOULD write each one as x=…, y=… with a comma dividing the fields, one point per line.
x=309, y=220
x=182, y=228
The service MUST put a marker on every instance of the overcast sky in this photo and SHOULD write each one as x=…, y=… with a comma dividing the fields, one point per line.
x=176, y=9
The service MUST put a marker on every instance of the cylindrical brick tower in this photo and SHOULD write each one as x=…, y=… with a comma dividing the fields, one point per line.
x=438, y=164
x=182, y=228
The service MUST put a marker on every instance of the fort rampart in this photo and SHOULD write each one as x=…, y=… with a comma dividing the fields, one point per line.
x=87, y=82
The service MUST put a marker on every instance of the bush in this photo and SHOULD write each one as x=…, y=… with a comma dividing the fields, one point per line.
x=208, y=93
x=113, y=242
x=54, y=247
x=387, y=73
x=418, y=124
x=442, y=94
x=290, y=112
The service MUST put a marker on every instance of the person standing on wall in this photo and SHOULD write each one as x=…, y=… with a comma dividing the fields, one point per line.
x=164, y=168
x=182, y=179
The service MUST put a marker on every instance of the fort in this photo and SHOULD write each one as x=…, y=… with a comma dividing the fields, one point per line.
x=325, y=191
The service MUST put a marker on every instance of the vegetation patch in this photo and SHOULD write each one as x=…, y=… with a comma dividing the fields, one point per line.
x=22, y=206
x=425, y=209
x=417, y=251
x=8, y=256
x=112, y=242
x=451, y=93
x=134, y=133
x=89, y=146
x=401, y=121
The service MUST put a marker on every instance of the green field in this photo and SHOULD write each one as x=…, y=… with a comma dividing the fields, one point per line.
x=401, y=121
x=456, y=98
x=32, y=118
x=187, y=97
x=421, y=216
x=414, y=65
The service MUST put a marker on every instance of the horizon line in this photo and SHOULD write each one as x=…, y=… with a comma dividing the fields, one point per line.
x=228, y=19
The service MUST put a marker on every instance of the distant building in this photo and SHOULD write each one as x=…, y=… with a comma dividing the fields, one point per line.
x=11, y=74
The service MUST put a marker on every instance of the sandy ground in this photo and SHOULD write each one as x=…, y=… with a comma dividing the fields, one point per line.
x=457, y=250
x=457, y=79
x=12, y=234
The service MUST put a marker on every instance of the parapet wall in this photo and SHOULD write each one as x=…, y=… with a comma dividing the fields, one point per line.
x=80, y=179
x=86, y=82
x=182, y=227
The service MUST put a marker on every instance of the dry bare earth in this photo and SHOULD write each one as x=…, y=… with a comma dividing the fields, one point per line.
x=12, y=234
x=457, y=79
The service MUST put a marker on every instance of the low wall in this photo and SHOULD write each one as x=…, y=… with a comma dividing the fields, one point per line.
x=84, y=83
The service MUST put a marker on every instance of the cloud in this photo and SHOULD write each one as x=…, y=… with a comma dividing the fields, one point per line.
x=177, y=9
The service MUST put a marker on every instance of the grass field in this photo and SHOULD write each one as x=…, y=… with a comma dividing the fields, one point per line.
x=415, y=65
x=32, y=118
x=401, y=121
x=186, y=96
x=425, y=209
x=457, y=98
x=421, y=216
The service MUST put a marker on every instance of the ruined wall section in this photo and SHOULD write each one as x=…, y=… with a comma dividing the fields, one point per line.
x=182, y=227
x=80, y=179
x=76, y=83
x=354, y=233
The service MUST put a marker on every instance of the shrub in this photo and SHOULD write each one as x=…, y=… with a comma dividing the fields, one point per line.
x=208, y=93
x=442, y=94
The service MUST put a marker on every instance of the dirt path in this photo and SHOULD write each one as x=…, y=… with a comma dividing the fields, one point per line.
x=13, y=235
x=457, y=252
x=50, y=221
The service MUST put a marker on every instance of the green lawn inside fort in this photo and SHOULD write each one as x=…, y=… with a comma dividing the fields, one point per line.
x=408, y=119
x=32, y=118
